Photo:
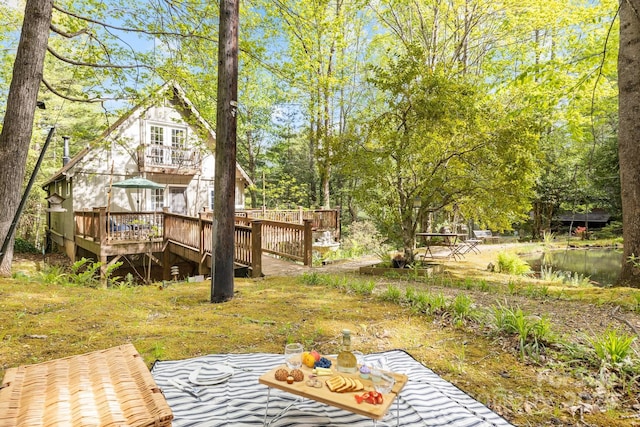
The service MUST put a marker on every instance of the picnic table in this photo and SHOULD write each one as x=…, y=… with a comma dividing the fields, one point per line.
x=448, y=240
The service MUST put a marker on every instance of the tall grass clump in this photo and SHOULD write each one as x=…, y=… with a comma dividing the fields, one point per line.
x=311, y=279
x=548, y=237
x=532, y=332
x=548, y=274
x=424, y=302
x=612, y=346
x=462, y=309
x=511, y=263
x=618, y=367
x=362, y=287
x=576, y=279
x=392, y=294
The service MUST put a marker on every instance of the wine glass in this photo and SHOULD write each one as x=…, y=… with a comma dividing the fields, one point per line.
x=293, y=355
x=383, y=382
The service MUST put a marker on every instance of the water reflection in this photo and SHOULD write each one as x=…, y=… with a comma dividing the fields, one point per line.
x=601, y=265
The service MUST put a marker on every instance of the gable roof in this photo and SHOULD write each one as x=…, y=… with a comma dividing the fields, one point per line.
x=179, y=95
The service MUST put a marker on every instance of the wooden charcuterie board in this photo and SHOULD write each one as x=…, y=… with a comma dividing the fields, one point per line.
x=346, y=401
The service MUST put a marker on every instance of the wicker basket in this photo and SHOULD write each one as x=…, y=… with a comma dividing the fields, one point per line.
x=110, y=387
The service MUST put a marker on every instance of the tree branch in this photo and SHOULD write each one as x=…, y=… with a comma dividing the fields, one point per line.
x=89, y=64
x=64, y=34
x=131, y=30
x=71, y=98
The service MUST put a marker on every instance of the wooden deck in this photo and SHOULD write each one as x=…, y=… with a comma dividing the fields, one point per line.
x=162, y=236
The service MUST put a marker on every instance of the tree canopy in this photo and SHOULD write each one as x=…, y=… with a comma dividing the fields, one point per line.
x=486, y=111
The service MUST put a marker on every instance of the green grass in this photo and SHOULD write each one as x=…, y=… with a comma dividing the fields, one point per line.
x=178, y=322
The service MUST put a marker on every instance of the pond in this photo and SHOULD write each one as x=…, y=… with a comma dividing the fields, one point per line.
x=602, y=265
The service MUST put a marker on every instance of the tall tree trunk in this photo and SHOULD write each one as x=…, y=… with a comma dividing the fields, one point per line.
x=18, y=120
x=225, y=175
x=629, y=135
x=313, y=143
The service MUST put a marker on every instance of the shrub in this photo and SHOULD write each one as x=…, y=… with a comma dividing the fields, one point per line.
x=511, y=263
x=609, y=231
x=24, y=247
x=52, y=274
x=361, y=237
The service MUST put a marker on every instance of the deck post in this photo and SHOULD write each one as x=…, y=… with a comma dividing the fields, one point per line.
x=256, y=248
x=300, y=215
x=101, y=229
x=202, y=265
x=166, y=254
x=308, y=242
x=201, y=232
x=337, y=224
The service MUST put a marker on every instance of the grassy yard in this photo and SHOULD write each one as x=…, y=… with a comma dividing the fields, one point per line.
x=448, y=323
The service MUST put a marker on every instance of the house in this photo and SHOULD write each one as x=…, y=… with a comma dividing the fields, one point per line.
x=597, y=218
x=164, y=140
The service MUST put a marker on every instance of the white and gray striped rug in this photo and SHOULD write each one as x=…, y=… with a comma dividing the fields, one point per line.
x=426, y=400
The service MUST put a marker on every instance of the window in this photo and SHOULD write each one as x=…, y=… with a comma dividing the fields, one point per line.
x=156, y=135
x=167, y=145
x=177, y=146
x=211, y=198
x=157, y=200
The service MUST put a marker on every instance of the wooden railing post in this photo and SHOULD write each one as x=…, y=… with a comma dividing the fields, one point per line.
x=337, y=223
x=165, y=211
x=101, y=228
x=256, y=248
x=300, y=215
x=201, y=231
x=308, y=242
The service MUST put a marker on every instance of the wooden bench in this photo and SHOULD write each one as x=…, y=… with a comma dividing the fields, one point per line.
x=486, y=236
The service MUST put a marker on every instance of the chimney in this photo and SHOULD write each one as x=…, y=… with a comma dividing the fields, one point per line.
x=65, y=152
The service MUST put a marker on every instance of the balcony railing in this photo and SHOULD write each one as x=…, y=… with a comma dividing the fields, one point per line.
x=153, y=156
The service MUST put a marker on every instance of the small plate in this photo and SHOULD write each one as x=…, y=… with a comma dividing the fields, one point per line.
x=211, y=375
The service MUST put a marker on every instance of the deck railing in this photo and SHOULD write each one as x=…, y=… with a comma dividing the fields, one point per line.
x=288, y=240
x=252, y=236
x=184, y=230
x=321, y=219
x=102, y=226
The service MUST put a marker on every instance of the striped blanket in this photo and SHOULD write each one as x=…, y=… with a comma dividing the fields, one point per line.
x=426, y=400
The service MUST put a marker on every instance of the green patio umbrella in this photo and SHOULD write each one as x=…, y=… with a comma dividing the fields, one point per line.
x=138, y=183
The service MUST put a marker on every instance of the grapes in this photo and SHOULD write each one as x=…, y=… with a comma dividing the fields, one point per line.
x=322, y=363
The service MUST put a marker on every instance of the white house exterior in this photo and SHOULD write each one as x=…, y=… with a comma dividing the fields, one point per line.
x=164, y=140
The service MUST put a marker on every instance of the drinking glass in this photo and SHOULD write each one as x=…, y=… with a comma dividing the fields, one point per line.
x=383, y=381
x=293, y=355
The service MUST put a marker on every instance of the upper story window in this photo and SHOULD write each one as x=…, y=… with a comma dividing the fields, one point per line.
x=157, y=135
x=178, y=139
x=167, y=145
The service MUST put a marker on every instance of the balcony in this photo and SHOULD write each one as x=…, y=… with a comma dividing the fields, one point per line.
x=155, y=158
